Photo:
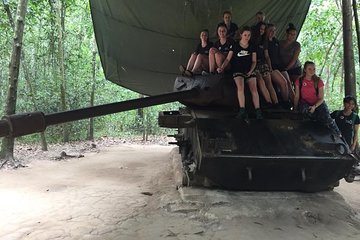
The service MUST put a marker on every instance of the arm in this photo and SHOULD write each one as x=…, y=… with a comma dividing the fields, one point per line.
x=355, y=138
x=253, y=63
x=297, y=97
x=294, y=58
x=319, y=101
x=226, y=62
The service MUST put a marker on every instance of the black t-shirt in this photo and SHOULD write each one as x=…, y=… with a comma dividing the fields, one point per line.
x=242, y=59
x=274, y=54
x=260, y=54
x=346, y=124
x=226, y=47
x=230, y=31
x=203, y=50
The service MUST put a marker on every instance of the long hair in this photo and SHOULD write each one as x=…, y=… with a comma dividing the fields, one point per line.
x=291, y=27
x=219, y=26
x=256, y=37
x=315, y=78
x=244, y=29
x=205, y=30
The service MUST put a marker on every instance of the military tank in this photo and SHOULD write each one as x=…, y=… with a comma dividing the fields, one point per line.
x=140, y=49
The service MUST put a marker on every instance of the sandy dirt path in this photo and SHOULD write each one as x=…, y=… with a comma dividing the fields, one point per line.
x=129, y=192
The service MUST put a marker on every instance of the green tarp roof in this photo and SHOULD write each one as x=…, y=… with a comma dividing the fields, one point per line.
x=142, y=42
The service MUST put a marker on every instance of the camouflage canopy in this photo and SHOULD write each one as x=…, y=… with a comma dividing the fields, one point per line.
x=142, y=42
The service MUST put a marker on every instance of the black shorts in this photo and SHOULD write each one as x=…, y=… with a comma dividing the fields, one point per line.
x=277, y=67
x=243, y=75
x=295, y=71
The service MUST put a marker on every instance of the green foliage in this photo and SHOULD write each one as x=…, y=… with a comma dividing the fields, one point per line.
x=321, y=40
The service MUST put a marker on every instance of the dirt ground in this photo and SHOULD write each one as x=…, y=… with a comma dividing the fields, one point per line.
x=121, y=190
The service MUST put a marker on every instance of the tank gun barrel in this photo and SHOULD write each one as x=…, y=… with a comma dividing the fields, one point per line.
x=27, y=123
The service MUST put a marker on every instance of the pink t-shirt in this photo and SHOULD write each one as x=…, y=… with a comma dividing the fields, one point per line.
x=308, y=92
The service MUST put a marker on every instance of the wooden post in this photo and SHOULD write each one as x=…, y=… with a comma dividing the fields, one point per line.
x=349, y=65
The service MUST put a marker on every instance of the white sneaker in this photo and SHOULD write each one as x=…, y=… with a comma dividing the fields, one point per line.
x=204, y=73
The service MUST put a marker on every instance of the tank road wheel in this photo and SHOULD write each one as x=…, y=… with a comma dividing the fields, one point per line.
x=331, y=187
x=188, y=166
x=350, y=177
x=186, y=178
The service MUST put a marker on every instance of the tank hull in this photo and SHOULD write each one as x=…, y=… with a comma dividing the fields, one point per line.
x=275, y=154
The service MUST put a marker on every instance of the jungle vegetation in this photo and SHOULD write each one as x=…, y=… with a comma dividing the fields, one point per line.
x=60, y=68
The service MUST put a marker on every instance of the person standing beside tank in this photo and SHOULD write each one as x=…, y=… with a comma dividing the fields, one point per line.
x=199, y=59
x=289, y=55
x=230, y=26
x=219, y=55
x=309, y=98
x=243, y=67
x=348, y=121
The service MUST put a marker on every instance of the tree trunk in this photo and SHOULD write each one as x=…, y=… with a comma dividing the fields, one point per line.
x=141, y=115
x=7, y=148
x=92, y=94
x=349, y=65
x=26, y=74
x=357, y=27
x=328, y=51
x=31, y=93
x=59, y=23
x=8, y=13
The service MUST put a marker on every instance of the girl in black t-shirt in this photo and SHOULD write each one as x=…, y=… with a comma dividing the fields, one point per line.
x=220, y=54
x=348, y=121
x=272, y=57
x=199, y=59
x=263, y=76
x=243, y=67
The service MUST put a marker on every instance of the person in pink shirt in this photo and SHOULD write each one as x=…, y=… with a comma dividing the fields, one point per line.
x=309, y=98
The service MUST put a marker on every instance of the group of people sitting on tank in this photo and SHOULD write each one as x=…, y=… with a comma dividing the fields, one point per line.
x=254, y=56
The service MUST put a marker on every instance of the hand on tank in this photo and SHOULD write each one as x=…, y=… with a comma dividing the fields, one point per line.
x=312, y=109
x=220, y=70
x=353, y=146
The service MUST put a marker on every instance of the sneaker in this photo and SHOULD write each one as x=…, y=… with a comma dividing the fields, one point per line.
x=205, y=73
x=241, y=114
x=182, y=69
x=188, y=73
x=258, y=114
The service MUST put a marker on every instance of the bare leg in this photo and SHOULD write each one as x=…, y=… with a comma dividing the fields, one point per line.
x=254, y=92
x=281, y=82
x=205, y=63
x=219, y=59
x=201, y=63
x=293, y=78
x=212, y=59
x=290, y=87
x=191, y=62
x=239, y=81
x=262, y=88
x=270, y=87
